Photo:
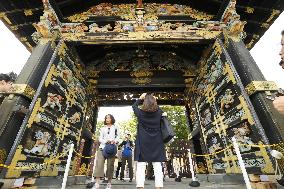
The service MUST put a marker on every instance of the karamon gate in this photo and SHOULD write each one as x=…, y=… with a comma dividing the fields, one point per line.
x=89, y=54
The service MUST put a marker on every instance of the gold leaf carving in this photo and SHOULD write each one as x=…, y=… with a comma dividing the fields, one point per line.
x=257, y=86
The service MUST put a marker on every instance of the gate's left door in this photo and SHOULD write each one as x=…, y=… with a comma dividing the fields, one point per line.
x=55, y=94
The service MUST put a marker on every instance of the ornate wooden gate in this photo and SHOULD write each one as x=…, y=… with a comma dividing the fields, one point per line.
x=221, y=108
x=143, y=47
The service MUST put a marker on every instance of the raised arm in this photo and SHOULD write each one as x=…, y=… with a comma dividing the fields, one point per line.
x=123, y=143
x=135, y=107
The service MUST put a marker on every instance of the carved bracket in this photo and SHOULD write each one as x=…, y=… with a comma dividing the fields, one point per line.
x=257, y=86
x=21, y=89
x=141, y=77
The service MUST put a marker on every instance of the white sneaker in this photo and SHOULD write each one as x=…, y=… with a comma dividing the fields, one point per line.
x=96, y=186
x=108, y=186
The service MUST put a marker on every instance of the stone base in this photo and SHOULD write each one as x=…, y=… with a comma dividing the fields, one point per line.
x=80, y=179
x=54, y=181
x=221, y=178
x=202, y=177
x=49, y=181
x=8, y=183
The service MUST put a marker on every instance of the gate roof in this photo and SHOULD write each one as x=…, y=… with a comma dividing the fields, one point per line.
x=20, y=15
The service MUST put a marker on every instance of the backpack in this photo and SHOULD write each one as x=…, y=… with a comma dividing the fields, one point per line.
x=127, y=151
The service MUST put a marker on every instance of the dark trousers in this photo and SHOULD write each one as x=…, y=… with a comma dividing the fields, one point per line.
x=117, y=170
x=123, y=163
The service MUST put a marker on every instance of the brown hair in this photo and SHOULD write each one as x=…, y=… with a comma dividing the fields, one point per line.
x=150, y=103
x=282, y=33
x=111, y=117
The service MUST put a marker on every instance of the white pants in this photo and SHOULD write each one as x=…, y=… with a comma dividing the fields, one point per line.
x=140, y=174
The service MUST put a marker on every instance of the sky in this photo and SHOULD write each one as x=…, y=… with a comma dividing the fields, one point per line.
x=13, y=56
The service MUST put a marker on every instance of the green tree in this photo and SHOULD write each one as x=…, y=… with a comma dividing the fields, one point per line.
x=129, y=126
x=99, y=125
x=177, y=118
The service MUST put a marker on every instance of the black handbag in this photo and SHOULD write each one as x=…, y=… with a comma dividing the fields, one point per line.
x=167, y=130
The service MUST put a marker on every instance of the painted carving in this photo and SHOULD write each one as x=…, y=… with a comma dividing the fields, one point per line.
x=66, y=147
x=3, y=155
x=93, y=28
x=241, y=136
x=141, y=60
x=232, y=19
x=215, y=72
x=201, y=168
x=219, y=165
x=48, y=22
x=226, y=100
x=66, y=75
x=75, y=118
x=118, y=27
x=206, y=119
x=42, y=145
x=127, y=11
x=74, y=27
x=53, y=100
x=214, y=147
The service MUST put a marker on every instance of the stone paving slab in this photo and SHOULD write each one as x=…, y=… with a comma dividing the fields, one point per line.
x=168, y=184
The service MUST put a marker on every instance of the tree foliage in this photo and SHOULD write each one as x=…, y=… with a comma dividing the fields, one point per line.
x=129, y=126
x=177, y=118
x=99, y=125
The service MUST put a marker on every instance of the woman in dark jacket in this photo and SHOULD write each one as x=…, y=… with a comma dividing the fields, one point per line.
x=149, y=146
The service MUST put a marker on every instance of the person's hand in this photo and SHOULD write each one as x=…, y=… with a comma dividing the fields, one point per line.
x=142, y=96
x=278, y=104
x=112, y=142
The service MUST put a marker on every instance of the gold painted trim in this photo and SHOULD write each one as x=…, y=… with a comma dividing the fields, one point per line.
x=34, y=116
x=189, y=73
x=257, y=86
x=93, y=73
x=249, y=10
x=23, y=39
x=93, y=82
x=141, y=73
x=141, y=81
x=18, y=156
x=273, y=14
x=28, y=12
x=3, y=155
x=4, y=16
